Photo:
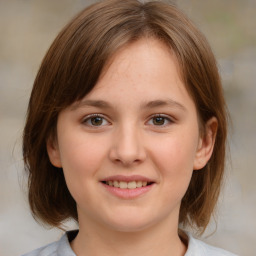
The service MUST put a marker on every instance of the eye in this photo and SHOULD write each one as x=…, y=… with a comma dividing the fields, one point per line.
x=95, y=120
x=160, y=120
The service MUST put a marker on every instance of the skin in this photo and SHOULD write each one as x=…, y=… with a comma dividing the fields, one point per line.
x=127, y=139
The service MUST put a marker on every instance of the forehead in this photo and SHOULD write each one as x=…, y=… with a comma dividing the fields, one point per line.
x=142, y=72
x=146, y=50
x=144, y=64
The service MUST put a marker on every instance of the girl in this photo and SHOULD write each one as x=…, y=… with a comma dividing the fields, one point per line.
x=125, y=133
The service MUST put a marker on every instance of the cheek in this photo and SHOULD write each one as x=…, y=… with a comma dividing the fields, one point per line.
x=174, y=158
x=81, y=158
x=81, y=153
x=175, y=153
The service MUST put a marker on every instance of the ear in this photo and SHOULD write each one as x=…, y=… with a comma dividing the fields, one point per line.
x=206, y=144
x=53, y=152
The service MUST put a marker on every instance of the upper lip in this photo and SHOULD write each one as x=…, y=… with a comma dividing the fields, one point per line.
x=127, y=178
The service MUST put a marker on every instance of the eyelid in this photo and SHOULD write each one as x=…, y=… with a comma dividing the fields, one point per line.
x=88, y=117
x=167, y=117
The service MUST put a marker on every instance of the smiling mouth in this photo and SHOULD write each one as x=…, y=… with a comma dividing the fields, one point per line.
x=127, y=185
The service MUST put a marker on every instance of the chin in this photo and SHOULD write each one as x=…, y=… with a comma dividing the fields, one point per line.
x=130, y=223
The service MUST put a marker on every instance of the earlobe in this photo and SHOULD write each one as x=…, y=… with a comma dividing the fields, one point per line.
x=206, y=144
x=53, y=152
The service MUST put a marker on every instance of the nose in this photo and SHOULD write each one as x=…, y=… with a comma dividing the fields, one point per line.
x=127, y=146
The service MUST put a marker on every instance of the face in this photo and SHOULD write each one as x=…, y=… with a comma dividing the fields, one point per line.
x=129, y=148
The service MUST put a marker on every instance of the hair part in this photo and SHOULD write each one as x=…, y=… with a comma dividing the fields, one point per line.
x=72, y=67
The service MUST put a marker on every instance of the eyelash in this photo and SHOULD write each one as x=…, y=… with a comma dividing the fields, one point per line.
x=93, y=116
x=166, y=118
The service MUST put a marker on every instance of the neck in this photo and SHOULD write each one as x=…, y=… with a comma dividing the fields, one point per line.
x=156, y=240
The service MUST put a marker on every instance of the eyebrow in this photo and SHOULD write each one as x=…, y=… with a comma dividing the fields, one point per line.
x=91, y=103
x=151, y=104
x=162, y=103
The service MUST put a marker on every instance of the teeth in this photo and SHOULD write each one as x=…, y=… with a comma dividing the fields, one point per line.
x=116, y=184
x=124, y=184
x=139, y=184
x=131, y=184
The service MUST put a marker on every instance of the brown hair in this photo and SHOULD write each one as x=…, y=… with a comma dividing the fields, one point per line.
x=71, y=69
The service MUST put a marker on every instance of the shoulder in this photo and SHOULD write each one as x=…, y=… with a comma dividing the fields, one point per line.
x=199, y=248
x=48, y=250
x=58, y=248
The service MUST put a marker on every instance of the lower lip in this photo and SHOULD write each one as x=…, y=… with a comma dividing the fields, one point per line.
x=128, y=193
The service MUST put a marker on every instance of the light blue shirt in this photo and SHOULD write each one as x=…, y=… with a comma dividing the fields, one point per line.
x=62, y=248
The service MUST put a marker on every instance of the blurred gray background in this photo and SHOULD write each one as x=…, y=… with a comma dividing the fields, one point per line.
x=27, y=29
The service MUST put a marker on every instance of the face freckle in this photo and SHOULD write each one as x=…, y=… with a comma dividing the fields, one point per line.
x=141, y=83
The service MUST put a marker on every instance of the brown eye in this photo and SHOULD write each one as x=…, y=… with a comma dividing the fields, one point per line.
x=159, y=120
x=96, y=121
